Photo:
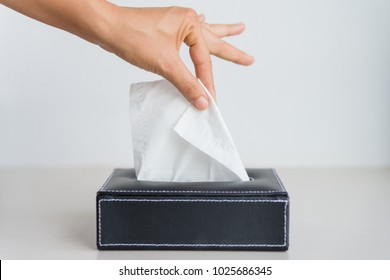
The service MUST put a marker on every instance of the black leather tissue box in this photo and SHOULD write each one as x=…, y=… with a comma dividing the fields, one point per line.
x=139, y=215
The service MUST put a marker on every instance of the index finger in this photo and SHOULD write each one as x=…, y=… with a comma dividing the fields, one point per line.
x=200, y=56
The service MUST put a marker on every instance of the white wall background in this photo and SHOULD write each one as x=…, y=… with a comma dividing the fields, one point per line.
x=317, y=95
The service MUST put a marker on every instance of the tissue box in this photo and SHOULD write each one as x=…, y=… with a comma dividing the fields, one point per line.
x=139, y=215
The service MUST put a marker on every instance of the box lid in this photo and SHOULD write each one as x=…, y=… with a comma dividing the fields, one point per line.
x=264, y=182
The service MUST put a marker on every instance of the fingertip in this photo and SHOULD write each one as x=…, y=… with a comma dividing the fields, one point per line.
x=241, y=26
x=236, y=29
x=201, y=103
x=246, y=60
x=250, y=60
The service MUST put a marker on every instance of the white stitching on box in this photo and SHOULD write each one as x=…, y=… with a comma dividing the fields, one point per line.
x=188, y=191
x=192, y=245
x=285, y=222
x=196, y=245
x=192, y=200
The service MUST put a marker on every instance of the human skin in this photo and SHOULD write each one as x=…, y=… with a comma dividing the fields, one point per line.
x=149, y=38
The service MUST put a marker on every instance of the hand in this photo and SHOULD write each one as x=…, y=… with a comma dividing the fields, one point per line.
x=150, y=38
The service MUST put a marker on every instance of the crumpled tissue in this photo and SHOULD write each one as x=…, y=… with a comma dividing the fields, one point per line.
x=173, y=141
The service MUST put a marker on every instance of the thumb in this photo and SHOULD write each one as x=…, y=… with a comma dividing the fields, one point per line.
x=187, y=84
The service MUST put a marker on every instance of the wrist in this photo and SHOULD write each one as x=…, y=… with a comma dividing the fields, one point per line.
x=117, y=26
x=98, y=23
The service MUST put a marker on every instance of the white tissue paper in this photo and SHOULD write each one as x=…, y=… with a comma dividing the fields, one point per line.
x=173, y=141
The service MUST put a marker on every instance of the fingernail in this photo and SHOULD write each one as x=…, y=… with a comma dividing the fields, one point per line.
x=201, y=103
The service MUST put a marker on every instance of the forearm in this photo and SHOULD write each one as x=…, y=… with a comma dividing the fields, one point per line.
x=88, y=19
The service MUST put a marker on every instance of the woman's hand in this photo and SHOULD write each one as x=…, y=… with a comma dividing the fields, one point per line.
x=149, y=38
